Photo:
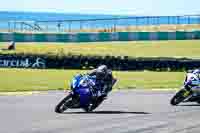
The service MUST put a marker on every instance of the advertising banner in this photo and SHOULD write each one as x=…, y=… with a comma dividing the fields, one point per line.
x=16, y=62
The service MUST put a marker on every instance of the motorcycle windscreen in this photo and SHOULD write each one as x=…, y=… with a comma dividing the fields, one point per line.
x=75, y=81
x=85, y=96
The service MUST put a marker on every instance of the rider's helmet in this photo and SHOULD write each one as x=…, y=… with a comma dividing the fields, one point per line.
x=102, y=71
x=197, y=72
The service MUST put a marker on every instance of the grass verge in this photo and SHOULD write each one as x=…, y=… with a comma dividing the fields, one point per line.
x=186, y=48
x=39, y=80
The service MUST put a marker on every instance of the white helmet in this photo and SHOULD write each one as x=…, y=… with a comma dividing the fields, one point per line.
x=197, y=72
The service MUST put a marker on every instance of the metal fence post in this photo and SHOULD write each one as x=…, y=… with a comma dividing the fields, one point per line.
x=69, y=28
x=81, y=25
x=14, y=25
x=136, y=21
x=148, y=20
x=199, y=18
x=168, y=19
x=21, y=24
x=47, y=27
x=9, y=28
x=189, y=20
x=115, y=25
x=178, y=19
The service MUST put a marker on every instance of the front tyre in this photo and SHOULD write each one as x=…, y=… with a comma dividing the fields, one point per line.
x=64, y=104
x=179, y=97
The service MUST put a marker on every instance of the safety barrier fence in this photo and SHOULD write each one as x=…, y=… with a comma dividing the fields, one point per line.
x=112, y=24
x=94, y=37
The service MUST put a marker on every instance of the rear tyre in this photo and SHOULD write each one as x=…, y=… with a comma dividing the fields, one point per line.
x=64, y=104
x=88, y=109
x=179, y=97
x=99, y=101
x=92, y=107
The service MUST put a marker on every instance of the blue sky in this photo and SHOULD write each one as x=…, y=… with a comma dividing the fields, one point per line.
x=121, y=7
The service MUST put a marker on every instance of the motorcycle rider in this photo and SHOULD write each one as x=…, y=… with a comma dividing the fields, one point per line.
x=194, y=84
x=104, y=79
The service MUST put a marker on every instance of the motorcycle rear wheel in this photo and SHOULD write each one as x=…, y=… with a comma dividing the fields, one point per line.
x=92, y=107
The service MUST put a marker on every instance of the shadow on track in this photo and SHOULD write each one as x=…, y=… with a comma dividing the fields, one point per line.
x=189, y=105
x=107, y=112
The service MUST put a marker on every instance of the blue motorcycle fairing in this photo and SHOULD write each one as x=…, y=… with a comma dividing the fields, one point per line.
x=84, y=95
x=76, y=82
x=81, y=86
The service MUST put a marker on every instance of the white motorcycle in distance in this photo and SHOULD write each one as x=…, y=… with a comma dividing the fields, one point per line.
x=190, y=91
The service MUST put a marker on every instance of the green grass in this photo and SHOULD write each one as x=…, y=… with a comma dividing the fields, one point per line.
x=31, y=79
x=190, y=48
x=34, y=79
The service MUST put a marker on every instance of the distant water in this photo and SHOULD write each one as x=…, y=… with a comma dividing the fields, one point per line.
x=130, y=20
x=33, y=16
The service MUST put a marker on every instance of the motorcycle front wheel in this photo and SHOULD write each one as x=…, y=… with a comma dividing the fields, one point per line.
x=64, y=104
x=180, y=96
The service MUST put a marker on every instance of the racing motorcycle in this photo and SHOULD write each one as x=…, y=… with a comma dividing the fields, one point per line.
x=82, y=95
x=189, y=92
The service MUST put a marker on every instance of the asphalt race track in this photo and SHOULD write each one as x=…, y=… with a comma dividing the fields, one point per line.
x=135, y=111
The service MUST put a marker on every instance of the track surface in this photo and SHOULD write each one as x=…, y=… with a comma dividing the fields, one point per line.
x=123, y=112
